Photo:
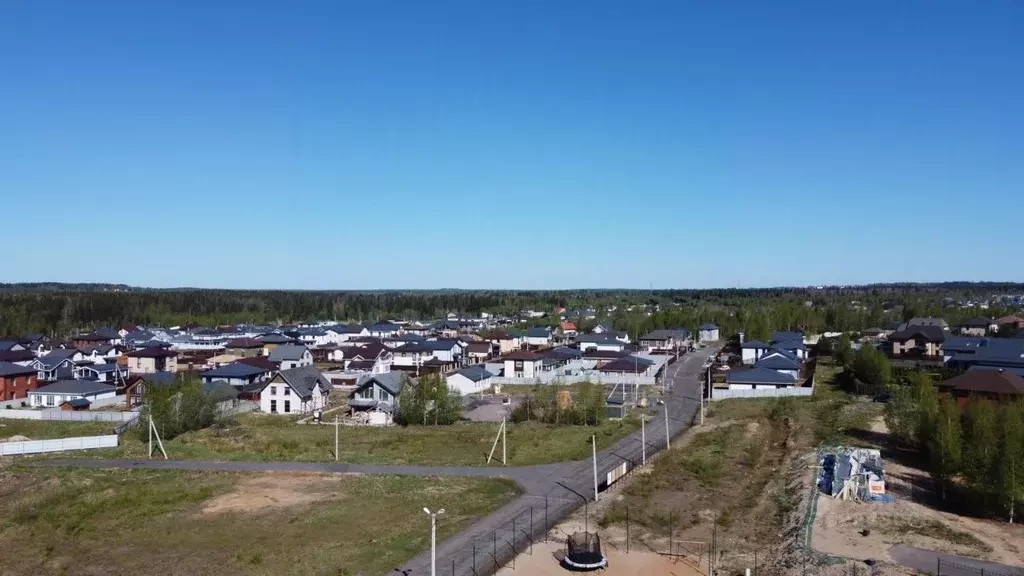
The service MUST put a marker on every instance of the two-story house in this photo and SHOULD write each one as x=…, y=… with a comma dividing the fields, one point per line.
x=288, y=356
x=16, y=381
x=151, y=360
x=378, y=393
x=299, y=390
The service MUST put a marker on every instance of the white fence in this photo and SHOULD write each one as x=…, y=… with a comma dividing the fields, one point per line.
x=243, y=406
x=554, y=379
x=40, y=446
x=56, y=414
x=720, y=394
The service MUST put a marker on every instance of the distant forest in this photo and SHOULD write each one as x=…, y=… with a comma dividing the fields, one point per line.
x=63, y=309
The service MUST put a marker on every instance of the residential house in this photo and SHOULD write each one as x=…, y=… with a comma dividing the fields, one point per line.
x=568, y=329
x=963, y=353
x=979, y=326
x=629, y=365
x=752, y=350
x=396, y=341
x=998, y=384
x=150, y=360
x=918, y=341
x=299, y=390
x=273, y=340
x=794, y=347
x=244, y=347
x=378, y=394
x=288, y=356
x=478, y=352
x=57, y=365
x=708, y=332
x=101, y=354
x=108, y=373
x=16, y=381
x=605, y=341
x=758, y=378
x=75, y=405
x=16, y=353
x=539, y=337
x=506, y=341
x=224, y=395
x=135, y=387
x=446, y=328
x=60, y=391
x=602, y=328
x=1014, y=321
x=780, y=361
x=469, y=380
x=236, y=374
x=384, y=329
x=669, y=340
x=788, y=336
x=522, y=364
x=311, y=337
x=97, y=337
x=924, y=322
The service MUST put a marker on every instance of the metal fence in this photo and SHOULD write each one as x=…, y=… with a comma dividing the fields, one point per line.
x=966, y=567
x=41, y=446
x=720, y=394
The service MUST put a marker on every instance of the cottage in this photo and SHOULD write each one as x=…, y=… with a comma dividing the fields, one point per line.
x=780, y=361
x=505, y=341
x=244, y=347
x=708, y=332
x=538, y=337
x=384, y=329
x=57, y=365
x=75, y=405
x=999, y=384
x=758, y=378
x=135, y=388
x=288, y=356
x=299, y=390
x=978, y=326
x=151, y=360
x=523, y=364
x=604, y=342
x=378, y=394
x=108, y=373
x=469, y=380
x=236, y=374
x=97, y=337
x=918, y=340
x=16, y=381
x=665, y=341
x=629, y=365
x=752, y=350
x=478, y=352
x=60, y=391
x=273, y=340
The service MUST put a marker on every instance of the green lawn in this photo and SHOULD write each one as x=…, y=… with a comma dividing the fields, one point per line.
x=179, y=522
x=51, y=429
x=263, y=437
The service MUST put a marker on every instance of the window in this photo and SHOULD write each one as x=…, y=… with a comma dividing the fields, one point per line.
x=49, y=400
x=287, y=406
x=273, y=390
x=273, y=406
x=366, y=393
x=287, y=392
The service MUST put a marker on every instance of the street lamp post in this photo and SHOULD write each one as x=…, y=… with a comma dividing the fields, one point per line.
x=433, y=539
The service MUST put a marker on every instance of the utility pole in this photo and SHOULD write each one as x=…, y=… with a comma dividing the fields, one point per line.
x=433, y=540
x=668, y=439
x=504, y=444
x=643, y=439
x=703, y=384
x=593, y=446
x=336, y=438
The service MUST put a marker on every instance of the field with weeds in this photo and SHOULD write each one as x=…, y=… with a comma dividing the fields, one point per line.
x=52, y=429
x=739, y=476
x=261, y=437
x=182, y=522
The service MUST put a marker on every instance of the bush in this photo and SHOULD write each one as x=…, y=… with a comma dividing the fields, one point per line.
x=176, y=408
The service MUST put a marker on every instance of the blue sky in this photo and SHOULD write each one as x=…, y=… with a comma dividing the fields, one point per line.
x=527, y=144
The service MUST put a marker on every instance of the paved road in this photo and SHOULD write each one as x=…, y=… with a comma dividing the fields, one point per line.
x=927, y=561
x=552, y=491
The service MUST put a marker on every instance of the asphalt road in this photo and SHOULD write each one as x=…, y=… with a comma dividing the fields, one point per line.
x=928, y=562
x=551, y=491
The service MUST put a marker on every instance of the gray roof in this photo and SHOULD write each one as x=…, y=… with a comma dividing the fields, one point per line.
x=784, y=336
x=287, y=352
x=475, y=373
x=939, y=322
x=667, y=334
x=604, y=338
x=390, y=381
x=233, y=370
x=752, y=344
x=759, y=376
x=9, y=369
x=304, y=378
x=106, y=367
x=82, y=387
x=708, y=327
x=275, y=339
x=779, y=362
x=538, y=333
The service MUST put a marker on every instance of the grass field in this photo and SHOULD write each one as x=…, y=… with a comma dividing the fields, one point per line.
x=262, y=437
x=178, y=522
x=52, y=429
x=741, y=472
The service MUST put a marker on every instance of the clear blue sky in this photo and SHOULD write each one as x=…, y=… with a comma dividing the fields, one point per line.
x=528, y=144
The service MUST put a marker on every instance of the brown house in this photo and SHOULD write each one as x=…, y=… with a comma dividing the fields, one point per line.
x=16, y=381
x=918, y=341
x=75, y=405
x=994, y=383
x=152, y=360
x=244, y=347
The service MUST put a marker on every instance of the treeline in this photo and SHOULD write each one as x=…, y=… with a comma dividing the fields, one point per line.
x=51, y=310
x=980, y=448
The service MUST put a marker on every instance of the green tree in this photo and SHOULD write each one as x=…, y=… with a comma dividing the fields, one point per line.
x=844, y=351
x=1010, y=470
x=944, y=445
x=981, y=434
x=176, y=407
x=429, y=401
x=903, y=411
x=872, y=369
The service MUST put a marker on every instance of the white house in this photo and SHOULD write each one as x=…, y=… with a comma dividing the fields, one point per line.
x=378, y=395
x=752, y=350
x=708, y=332
x=469, y=380
x=606, y=342
x=780, y=361
x=64, y=390
x=288, y=356
x=523, y=364
x=295, y=391
x=538, y=337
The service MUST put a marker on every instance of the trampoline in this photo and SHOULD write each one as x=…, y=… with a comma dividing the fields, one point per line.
x=583, y=553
